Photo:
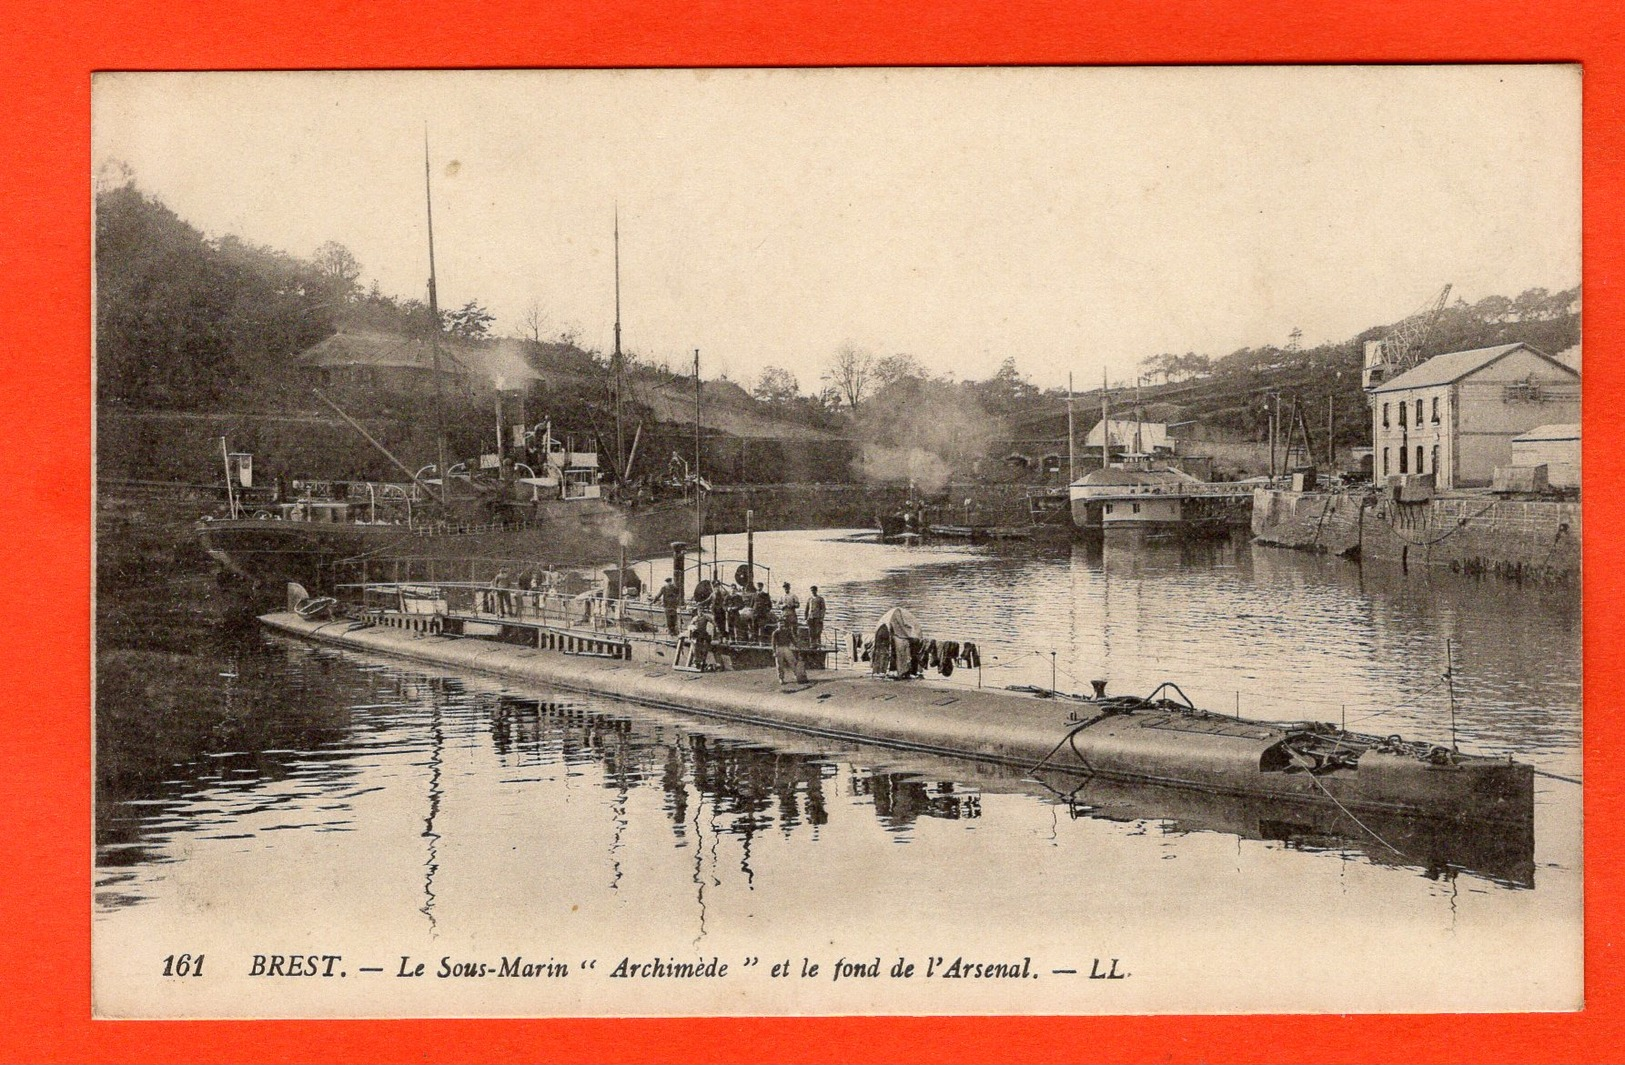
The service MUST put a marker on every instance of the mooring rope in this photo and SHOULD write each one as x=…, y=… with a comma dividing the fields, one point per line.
x=1346, y=810
x=1460, y=524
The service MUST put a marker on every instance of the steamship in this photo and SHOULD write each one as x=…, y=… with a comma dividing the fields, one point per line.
x=537, y=501
x=541, y=504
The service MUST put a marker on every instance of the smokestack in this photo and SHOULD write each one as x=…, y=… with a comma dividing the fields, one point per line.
x=750, y=549
x=679, y=553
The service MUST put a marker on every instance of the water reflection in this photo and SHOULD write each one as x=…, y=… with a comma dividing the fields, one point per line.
x=1439, y=849
x=263, y=741
x=1266, y=633
x=900, y=799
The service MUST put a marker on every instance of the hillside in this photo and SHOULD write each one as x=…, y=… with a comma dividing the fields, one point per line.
x=218, y=327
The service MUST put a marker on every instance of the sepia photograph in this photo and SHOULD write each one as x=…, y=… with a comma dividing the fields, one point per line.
x=840, y=541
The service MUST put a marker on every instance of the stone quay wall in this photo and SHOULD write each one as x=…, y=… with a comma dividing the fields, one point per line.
x=1524, y=540
x=1308, y=521
x=1520, y=539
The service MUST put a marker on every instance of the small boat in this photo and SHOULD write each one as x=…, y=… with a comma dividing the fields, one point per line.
x=978, y=534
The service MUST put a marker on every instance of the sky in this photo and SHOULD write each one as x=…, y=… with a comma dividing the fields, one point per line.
x=1076, y=219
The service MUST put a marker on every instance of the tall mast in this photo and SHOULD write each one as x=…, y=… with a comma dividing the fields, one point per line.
x=1139, y=446
x=434, y=331
x=1071, y=451
x=1105, y=424
x=699, y=499
x=616, y=366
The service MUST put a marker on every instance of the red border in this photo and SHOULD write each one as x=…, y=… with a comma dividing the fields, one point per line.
x=50, y=50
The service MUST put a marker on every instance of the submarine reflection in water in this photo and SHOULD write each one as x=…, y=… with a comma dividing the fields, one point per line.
x=747, y=774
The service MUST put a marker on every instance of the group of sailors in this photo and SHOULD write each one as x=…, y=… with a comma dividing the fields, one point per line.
x=748, y=613
x=509, y=590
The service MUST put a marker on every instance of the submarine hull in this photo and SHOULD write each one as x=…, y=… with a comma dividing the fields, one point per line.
x=1202, y=753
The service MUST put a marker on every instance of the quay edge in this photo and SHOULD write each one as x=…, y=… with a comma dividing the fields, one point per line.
x=1475, y=534
x=1208, y=755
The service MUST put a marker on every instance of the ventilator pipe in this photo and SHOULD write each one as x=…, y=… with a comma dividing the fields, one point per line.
x=679, y=552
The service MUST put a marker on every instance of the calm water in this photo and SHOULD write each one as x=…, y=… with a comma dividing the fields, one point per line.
x=342, y=804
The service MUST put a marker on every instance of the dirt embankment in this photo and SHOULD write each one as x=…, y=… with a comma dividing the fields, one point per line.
x=162, y=621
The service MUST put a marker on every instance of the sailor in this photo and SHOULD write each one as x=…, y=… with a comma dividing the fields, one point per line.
x=790, y=610
x=699, y=630
x=815, y=618
x=736, y=614
x=497, y=599
x=880, y=662
x=761, y=612
x=719, y=609
x=591, y=601
x=787, y=656
x=669, y=597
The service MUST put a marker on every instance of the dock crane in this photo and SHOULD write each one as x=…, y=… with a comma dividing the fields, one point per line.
x=1405, y=344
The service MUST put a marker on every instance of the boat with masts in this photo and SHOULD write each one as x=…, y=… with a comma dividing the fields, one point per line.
x=539, y=497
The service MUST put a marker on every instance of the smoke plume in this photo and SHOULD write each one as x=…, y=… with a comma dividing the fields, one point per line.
x=922, y=431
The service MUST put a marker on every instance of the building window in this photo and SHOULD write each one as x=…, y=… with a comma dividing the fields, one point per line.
x=1435, y=460
x=1402, y=418
x=1419, y=412
x=1419, y=467
x=1404, y=457
x=1385, y=462
x=1385, y=415
x=1108, y=508
x=1435, y=410
x=1136, y=508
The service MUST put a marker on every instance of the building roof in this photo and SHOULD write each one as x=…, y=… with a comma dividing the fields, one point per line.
x=1153, y=435
x=1569, y=357
x=1558, y=431
x=1114, y=475
x=500, y=361
x=368, y=348
x=1452, y=367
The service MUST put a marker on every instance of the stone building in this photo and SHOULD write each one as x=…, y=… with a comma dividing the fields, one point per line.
x=1455, y=415
x=1557, y=447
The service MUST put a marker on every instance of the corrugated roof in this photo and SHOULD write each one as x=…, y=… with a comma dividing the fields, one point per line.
x=1113, y=475
x=377, y=349
x=1556, y=431
x=1453, y=366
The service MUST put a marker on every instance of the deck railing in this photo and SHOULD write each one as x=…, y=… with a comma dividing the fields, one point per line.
x=593, y=612
x=1199, y=489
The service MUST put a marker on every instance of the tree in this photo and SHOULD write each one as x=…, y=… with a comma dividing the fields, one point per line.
x=186, y=322
x=1165, y=365
x=470, y=320
x=852, y=373
x=1191, y=364
x=1530, y=306
x=114, y=174
x=894, y=369
x=777, y=387
x=338, y=268
x=532, y=322
x=1006, y=389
